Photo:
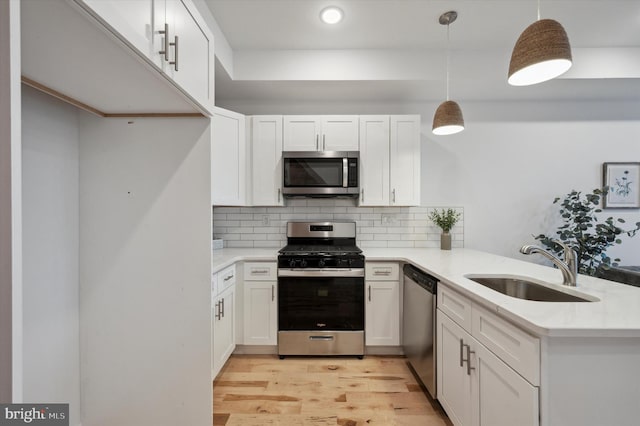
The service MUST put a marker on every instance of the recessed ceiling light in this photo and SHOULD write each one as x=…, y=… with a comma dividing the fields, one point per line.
x=331, y=15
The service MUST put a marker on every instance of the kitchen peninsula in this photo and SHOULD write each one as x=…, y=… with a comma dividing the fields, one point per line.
x=586, y=349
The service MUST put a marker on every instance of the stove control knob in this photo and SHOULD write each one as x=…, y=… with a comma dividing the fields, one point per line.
x=303, y=263
x=292, y=263
x=321, y=263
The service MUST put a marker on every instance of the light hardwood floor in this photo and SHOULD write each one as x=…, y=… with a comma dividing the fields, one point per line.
x=260, y=390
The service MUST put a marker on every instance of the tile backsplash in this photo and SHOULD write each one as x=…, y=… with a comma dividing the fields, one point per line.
x=375, y=226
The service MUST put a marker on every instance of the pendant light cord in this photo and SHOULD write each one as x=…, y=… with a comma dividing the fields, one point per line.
x=448, y=55
x=538, y=10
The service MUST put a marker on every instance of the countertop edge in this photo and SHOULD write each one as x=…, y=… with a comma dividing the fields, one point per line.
x=227, y=257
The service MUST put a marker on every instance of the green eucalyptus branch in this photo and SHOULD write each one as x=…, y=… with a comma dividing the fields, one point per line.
x=445, y=219
x=582, y=231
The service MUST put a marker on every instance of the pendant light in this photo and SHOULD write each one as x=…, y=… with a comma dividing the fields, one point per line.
x=448, y=117
x=541, y=53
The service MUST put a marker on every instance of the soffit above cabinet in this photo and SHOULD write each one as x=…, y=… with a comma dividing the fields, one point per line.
x=69, y=52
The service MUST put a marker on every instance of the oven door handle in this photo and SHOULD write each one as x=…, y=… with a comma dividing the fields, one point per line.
x=321, y=273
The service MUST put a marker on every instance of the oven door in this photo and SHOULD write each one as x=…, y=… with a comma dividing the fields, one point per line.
x=321, y=313
x=311, y=300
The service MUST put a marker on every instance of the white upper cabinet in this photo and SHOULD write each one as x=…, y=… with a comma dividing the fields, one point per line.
x=404, y=160
x=190, y=60
x=374, y=160
x=228, y=158
x=339, y=133
x=132, y=19
x=390, y=160
x=321, y=133
x=266, y=160
x=171, y=35
x=301, y=133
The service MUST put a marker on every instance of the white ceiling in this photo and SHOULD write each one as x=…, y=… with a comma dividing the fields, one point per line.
x=394, y=50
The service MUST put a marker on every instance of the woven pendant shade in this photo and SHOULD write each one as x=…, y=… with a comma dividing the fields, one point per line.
x=541, y=53
x=448, y=119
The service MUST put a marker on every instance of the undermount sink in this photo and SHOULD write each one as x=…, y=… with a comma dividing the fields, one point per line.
x=523, y=288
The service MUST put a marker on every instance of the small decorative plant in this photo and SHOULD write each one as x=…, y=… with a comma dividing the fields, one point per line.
x=445, y=219
x=582, y=231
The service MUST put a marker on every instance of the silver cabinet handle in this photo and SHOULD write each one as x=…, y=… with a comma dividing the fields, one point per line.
x=468, y=360
x=273, y=292
x=393, y=193
x=384, y=273
x=469, y=367
x=227, y=278
x=324, y=146
x=175, y=53
x=279, y=192
x=222, y=308
x=362, y=194
x=165, y=42
x=369, y=293
x=217, y=315
x=259, y=271
x=317, y=143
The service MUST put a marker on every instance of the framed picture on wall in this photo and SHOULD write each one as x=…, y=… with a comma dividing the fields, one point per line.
x=623, y=180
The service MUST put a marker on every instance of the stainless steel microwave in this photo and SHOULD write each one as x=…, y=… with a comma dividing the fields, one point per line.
x=320, y=174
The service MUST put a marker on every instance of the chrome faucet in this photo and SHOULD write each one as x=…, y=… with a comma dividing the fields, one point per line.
x=568, y=267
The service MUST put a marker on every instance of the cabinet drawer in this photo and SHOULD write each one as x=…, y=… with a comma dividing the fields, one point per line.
x=226, y=277
x=382, y=271
x=260, y=271
x=456, y=306
x=518, y=349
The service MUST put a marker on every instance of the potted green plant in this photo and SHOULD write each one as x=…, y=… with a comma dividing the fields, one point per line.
x=585, y=232
x=445, y=219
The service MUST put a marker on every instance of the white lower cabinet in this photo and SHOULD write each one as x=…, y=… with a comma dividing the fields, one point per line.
x=382, y=306
x=475, y=386
x=260, y=304
x=222, y=318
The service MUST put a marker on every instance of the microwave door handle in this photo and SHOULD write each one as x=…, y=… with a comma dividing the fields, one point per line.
x=345, y=172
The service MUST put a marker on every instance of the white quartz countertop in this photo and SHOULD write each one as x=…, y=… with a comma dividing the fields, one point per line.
x=615, y=314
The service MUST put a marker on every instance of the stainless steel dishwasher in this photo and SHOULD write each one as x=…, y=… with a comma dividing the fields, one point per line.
x=419, y=325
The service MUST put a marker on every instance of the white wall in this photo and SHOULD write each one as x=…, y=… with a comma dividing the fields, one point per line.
x=145, y=271
x=50, y=256
x=509, y=164
x=10, y=205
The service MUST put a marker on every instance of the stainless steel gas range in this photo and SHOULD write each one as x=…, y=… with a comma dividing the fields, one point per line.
x=321, y=290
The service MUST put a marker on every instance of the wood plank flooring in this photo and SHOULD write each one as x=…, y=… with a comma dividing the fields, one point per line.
x=261, y=390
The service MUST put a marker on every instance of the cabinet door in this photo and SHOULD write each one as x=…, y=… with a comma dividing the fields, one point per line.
x=382, y=313
x=454, y=384
x=374, y=160
x=405, y=160
x=503, y=398
x=228, y=158
x=301, y=133
x=339, y=133
x=224, y=328
x=131, y=19
x=260, y=313
x=266, y=160
x=190, y=62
